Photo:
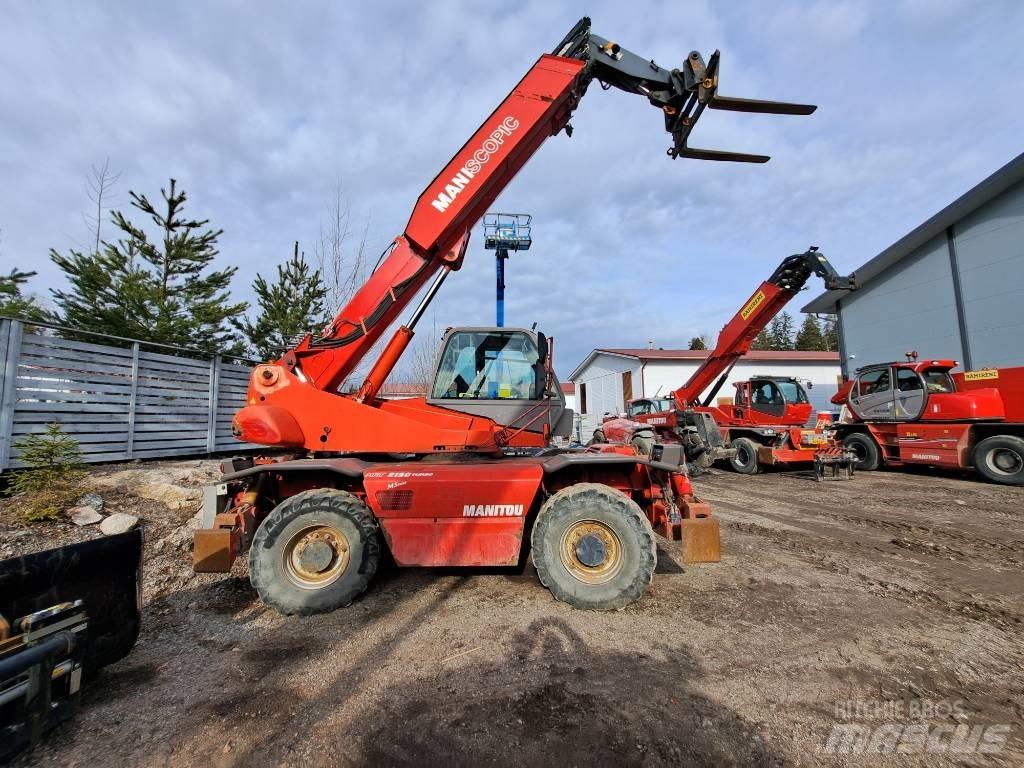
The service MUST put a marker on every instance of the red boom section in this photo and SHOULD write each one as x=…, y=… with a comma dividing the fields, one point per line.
x=538, y=107
x=734, y=341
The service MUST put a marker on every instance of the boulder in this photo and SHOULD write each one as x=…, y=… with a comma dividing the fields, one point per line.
x=118, y=523
x=84, y=515
x=93, y=500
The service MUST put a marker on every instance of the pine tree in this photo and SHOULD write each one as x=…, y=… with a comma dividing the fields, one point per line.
x=809, y=336
x=780, y=332
x=698, y=342
x=13, y=303
x=291, y=306
x=761, y=341
x=157, y=291
x=830, y=333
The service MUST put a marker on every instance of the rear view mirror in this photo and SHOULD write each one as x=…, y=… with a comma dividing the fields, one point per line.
x=810, y=385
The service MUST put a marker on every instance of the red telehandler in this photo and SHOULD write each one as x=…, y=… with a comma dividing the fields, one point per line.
x=765, y=423
x=917, y=412
x=466, y=475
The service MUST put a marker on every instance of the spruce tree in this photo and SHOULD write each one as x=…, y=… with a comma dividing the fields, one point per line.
x=698, y=342
x=13, y=303
x=830, y=333
x=809, y=336
x=291, y=306
x=160, y=290
x=761, y=341
x=780, y=332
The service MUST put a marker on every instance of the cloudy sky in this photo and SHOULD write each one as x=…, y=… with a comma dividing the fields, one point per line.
x=260, y=109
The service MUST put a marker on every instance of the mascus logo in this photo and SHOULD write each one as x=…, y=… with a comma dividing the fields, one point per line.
x=475, y=163
x=492, y=510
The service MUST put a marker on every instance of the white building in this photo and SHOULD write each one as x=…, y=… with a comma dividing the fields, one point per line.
x=609, y=378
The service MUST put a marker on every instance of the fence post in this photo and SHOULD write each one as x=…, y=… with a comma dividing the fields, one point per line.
x=211, y=421
x=12, y=351
x=132, y=398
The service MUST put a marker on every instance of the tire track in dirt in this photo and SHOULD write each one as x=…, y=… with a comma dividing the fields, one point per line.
x=809, y=547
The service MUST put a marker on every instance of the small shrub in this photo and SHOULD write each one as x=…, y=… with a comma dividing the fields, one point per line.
x=53, y=479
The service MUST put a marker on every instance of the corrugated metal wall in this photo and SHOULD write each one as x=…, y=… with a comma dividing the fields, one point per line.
x=117, y=402
x=910, y=307
x=914, y=306
x=990, y=255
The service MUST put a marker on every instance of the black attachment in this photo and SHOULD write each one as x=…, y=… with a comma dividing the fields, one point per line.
x=792, y=274
x=681, y=94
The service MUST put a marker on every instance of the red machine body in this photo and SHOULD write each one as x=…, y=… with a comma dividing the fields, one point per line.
x=766, y=421
x=919, y=412
x=461, y=476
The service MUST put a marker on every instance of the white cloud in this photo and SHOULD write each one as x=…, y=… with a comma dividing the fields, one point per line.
x=258, y=108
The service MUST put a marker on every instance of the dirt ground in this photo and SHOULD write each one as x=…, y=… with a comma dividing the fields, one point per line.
x=893, y=598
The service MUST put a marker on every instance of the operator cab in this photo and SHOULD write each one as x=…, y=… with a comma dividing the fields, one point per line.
x=918, y=390
x=504, y=374
x=781, y=397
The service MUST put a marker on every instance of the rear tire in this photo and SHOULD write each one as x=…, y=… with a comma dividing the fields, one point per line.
x=315, y=552
x=593, y=547
x=1000, y=459
x=745, y=461
x=598, y=438
x=864, y=447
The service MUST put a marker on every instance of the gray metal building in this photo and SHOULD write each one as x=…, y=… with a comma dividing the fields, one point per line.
x=952, y=288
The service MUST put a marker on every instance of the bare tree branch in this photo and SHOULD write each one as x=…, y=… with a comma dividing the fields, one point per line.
x=98, y=186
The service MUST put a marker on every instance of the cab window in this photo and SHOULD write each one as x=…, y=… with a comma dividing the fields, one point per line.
x=766, y=393
x=793, y=392
x=740, y=398
x=873, y=382
x=938, y=381
x=478, y=365
x=641, y=408
x=907, y=380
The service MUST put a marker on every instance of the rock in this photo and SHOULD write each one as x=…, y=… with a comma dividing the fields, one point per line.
x=93, y=500
x=172, y=496
x=118, y=523
x=84, y=515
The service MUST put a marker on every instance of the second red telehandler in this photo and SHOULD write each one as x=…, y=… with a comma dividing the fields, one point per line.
x=766, y=422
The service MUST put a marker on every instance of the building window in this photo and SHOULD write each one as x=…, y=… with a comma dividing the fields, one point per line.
x=583, y=399
x=627, y=390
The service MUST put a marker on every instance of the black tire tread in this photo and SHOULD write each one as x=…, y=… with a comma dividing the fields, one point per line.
x=1010, y=441
x=339, y=502
x=755, y=467
x=565, y=500
x=874, y=454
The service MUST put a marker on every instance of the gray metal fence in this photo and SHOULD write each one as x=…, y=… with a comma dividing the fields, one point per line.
x=118, y=402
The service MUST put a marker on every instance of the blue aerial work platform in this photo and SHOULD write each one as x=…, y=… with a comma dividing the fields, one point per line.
x=504, y=232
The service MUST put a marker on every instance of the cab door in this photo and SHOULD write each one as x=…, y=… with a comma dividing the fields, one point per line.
x=872, y=396
x=909, y=395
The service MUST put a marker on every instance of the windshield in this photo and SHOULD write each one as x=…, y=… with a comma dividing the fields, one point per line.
x=490, y=366
x=792, y=391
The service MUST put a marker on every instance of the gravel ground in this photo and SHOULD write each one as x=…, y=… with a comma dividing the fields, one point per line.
x=893, y=598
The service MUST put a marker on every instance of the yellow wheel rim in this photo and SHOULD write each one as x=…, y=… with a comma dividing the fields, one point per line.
x=591, y=551
x=316, y=556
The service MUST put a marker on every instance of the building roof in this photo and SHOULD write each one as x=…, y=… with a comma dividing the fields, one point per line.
x=568, y=388
x=647, y=355
x=994, y=185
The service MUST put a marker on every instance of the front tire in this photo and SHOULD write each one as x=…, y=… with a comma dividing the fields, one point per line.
x=865, y=449
x=1000, y=459
x=316, y=551
x=593, y=547
x=745, y=460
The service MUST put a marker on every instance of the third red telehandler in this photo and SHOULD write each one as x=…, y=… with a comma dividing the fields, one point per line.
x=919, y=412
